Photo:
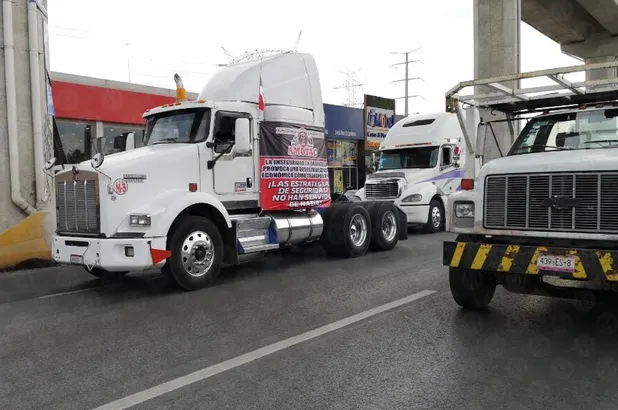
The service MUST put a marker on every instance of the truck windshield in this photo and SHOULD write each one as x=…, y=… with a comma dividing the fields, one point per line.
x=409, y=158
x=593, y=129
x=186, y=126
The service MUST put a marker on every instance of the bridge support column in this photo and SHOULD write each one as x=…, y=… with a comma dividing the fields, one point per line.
x=497, y=51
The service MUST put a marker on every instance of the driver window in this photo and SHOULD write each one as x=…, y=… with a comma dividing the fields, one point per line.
x=224, y=134
x=447, y=157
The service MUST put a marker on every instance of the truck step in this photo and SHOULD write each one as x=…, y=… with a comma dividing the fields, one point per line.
x=248, y=224
x=260, y=248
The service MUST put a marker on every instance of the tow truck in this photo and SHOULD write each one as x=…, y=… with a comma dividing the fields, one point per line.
x=239, y=171
x=541, y=219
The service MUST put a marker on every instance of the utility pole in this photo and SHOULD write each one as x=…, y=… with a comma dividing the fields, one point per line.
x=349, y=85
x=406, y=79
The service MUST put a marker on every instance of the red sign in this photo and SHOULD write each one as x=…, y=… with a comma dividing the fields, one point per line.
x=293, y=168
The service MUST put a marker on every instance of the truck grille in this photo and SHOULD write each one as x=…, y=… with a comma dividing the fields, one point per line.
x=519, y=202
x=382, y=190
x=77, y=206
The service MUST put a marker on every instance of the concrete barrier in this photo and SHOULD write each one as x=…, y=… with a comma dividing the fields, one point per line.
x=26, y=240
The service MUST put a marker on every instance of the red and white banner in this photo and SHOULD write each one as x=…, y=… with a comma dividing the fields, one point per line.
x=293, y=169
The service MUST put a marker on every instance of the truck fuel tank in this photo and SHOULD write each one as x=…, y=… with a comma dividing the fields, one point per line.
x=296, y=227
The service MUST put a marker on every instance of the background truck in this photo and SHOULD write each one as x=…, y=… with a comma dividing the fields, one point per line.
x=420, y=165
x=238, y=171
x=542, y=219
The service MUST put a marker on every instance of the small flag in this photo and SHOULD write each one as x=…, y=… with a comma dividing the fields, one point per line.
x=261, y=104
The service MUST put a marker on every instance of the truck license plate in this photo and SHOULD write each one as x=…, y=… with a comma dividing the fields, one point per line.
x=77, y=259
x=556, y=263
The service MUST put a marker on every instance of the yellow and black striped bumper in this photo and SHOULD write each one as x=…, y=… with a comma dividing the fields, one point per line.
x=522, y=259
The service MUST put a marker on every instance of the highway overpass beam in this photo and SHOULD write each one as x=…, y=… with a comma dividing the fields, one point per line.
x=497, y=51
x=598, y=48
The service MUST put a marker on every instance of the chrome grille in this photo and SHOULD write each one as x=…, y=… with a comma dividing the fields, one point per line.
x=77, y=207
x=382, y=190
x=517, y=202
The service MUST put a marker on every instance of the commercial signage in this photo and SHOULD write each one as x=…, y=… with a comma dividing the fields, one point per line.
x=379, y=118
x=293, y=169
x=344, y=123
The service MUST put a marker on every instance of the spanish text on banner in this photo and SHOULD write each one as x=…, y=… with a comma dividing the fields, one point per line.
x=293, y=168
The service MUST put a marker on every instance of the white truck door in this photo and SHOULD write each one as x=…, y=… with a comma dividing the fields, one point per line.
x=233, y=173
x=449, y=178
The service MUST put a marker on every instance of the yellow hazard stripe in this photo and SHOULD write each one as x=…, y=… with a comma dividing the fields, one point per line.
x=607, y=264
x=509, y=258
x=456, y=259
x=481, y=257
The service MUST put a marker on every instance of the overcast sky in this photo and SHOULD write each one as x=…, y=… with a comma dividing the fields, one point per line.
x=153, y=39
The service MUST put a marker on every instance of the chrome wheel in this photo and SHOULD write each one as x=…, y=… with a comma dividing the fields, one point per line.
x=389, y=226
x=358, y=230
x=198, y=253
x=436, y=216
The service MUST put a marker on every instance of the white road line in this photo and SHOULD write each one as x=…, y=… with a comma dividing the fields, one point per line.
x=207, y=372
x=66, y=293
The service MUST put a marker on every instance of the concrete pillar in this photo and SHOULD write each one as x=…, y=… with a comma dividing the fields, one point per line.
x=497, y=51
x=601, y=74
x=30, y=235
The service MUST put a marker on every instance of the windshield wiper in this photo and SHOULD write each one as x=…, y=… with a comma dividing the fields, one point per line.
x=165, y=140
x=600, y=142
x=542, y=146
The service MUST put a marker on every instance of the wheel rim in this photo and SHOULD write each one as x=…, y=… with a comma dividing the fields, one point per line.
x=198, y=253
x=436, y=216
x=389, y=226
x=358, y=230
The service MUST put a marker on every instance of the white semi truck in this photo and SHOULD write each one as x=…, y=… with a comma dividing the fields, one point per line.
x=541, y=219
x=421, y=163
x=238, y=171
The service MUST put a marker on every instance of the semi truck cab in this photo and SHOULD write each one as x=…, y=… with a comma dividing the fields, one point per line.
x=238, y=171
x=420, y=164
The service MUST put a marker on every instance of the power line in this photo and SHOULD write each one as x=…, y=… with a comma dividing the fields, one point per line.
x=350, y=85
x=407, y=78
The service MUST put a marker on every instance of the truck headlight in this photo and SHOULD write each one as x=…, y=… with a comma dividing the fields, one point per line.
x=413, y=198
x=139, y=220
x=464, y=209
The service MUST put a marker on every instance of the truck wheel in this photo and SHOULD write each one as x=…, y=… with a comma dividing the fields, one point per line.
x=384, y=226
x=349, y=231
x=436, y=219
x=471, y=289
x=197, y=252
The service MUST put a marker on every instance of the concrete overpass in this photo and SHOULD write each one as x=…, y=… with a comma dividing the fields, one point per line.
x=585, y=29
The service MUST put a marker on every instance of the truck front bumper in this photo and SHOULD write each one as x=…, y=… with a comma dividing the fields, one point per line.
x=111, y=254
x=416, y=214
x=522, y=259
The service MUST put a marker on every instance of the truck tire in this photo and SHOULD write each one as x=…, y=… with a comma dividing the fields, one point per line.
x=471, y=289
x=326, y=239
x=349, y=231
x=384, y=226
x=436, y=218
x=197, y=253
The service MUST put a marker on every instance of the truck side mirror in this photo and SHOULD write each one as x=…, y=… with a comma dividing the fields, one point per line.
x=242, y=140
x=130, y=144
x=481, y=137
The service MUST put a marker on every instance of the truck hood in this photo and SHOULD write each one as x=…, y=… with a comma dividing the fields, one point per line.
x=135, y=160
x=554, y=161
x=409, y=175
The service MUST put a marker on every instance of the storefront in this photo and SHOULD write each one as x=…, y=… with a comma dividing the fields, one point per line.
x=95, y=115
x=344, y=133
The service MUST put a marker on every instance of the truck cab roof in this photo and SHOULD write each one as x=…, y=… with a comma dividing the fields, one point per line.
x=422, y=130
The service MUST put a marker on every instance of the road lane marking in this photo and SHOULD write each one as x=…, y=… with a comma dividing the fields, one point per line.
x=53, y=295
x=214, y=370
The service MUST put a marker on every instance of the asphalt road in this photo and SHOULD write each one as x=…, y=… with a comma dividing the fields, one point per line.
x=300, y=332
